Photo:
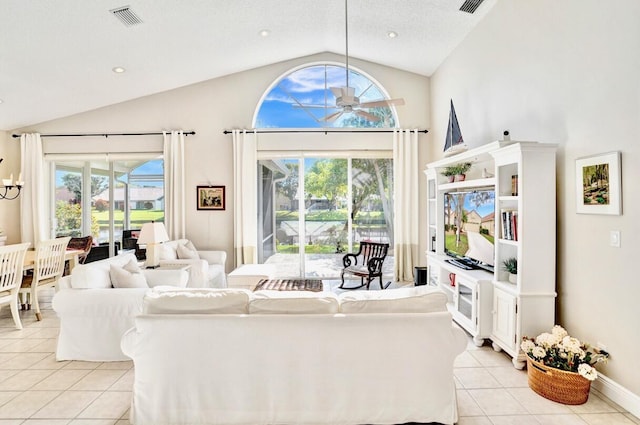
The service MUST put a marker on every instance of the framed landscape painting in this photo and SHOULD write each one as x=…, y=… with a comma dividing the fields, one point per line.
x=211, y=198
x=598, y=184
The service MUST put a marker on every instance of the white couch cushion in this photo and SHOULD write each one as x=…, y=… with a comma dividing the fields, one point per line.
x=421, y=299
x=301, y=302
x=96, y=275
x=196, y=301
x=185, y=253
x=128, y=276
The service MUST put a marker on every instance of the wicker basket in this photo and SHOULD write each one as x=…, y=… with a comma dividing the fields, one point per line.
x=557, y=385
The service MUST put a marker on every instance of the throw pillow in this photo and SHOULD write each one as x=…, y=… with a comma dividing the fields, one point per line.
x=185, y=253
x=196, y=301
x=421, y=299
x=190, y=245
x=288, y=302
x=128, y=276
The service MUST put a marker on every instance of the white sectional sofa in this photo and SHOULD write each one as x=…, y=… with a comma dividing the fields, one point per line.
x=235, y=357
x=94, y=315
x=206, y=268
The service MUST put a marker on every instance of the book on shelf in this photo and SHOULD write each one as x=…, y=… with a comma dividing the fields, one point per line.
x=514, y=185
x=509, y=224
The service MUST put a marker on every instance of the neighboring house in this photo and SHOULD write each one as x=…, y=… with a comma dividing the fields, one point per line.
x=473, y=222
x=64, y=194
x=488, y=223
x=140, y=198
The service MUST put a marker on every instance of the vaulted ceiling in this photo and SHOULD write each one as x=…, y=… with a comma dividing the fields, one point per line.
x=57, y=57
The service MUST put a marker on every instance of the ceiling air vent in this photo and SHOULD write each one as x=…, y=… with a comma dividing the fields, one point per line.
x=126, y=16
x=470, y=6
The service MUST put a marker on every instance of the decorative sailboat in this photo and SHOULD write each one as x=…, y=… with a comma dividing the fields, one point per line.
x=454, y=143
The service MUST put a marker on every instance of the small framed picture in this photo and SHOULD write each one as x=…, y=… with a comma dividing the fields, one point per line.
x=211, y=197
x=598, y=184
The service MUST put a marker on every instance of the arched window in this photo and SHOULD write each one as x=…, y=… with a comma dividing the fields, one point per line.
x=303, y=99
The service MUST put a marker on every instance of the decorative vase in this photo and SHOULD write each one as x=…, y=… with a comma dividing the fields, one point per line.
x=513, y=278
x=557, y=385
x=460, y=177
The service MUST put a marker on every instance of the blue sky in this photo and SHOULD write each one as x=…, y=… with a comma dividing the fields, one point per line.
x=310, y=86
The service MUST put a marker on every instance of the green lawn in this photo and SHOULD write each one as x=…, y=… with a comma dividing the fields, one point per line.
x=138, y=217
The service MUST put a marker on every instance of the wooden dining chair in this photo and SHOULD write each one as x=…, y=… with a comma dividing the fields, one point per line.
x=11, y=265
x=47, y=270
x=84, y=243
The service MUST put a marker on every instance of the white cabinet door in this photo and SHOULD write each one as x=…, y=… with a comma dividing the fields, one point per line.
x=504, y=320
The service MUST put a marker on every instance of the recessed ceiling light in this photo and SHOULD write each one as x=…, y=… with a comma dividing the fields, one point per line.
x=392, y=34
x=0, y=100
x=118, y=70
x=264, y=33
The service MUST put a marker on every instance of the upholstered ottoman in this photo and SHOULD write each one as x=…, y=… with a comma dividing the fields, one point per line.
x=247, y=276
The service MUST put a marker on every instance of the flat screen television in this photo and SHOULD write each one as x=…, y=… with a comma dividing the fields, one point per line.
x=469, y=226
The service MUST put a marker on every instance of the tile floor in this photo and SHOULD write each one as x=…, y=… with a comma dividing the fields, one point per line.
x=35, y=389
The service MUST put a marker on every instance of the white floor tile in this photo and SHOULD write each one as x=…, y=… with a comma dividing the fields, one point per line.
x=26, y=404
x=68, y=405
x=98, y=380
x=606, y=419
x=110, y=405
x=514, y=420
x=497, y=401
x=570, y=419
x=536, y=404
x=475, y=377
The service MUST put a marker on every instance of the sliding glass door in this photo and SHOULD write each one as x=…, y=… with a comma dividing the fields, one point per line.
x=103, y=198
x=314, y=209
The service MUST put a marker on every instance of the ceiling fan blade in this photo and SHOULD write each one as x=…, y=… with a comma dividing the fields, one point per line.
x=382, y=103
x=337, y=91
x=332, y=117
x=366, y=115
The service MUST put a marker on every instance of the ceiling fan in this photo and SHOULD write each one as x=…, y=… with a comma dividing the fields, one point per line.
x=346, y=99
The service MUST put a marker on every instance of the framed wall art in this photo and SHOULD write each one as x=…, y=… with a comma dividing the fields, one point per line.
x=211, y=197
x=598, y=184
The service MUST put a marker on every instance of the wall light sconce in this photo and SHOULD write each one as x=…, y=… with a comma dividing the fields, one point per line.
x=10, y=189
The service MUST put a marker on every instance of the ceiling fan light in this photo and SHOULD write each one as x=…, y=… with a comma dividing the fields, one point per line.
x=392, y=34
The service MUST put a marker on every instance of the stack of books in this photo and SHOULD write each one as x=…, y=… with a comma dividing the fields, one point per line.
x=509, y=225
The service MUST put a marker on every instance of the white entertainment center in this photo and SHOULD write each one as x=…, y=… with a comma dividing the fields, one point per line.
x=521, y=176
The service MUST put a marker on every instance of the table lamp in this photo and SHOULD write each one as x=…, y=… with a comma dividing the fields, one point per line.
x=152, y=235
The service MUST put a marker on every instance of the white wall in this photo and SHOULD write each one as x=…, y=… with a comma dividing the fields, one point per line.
x=564, y=72
x=211, y=107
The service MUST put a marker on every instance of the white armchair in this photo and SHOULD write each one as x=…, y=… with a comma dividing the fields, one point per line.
x=207, y=268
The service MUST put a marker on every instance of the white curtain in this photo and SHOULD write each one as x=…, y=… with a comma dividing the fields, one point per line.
x=405, y=187
x=174, y=187
x=33, y=200
x=245, y=197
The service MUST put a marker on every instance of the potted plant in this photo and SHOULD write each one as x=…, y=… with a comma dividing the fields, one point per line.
x=561, y=368
x=511, y=266
x=456, y=172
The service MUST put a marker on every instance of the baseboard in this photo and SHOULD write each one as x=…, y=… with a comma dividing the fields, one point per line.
x=618, y=394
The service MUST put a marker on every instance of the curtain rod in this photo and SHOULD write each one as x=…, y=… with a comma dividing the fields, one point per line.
x=186, y=133
x=322, y=131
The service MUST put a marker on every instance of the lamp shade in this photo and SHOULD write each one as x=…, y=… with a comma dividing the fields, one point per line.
x=153, y=233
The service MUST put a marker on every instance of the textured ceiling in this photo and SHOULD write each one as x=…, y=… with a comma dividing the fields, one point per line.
x=56, y=57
